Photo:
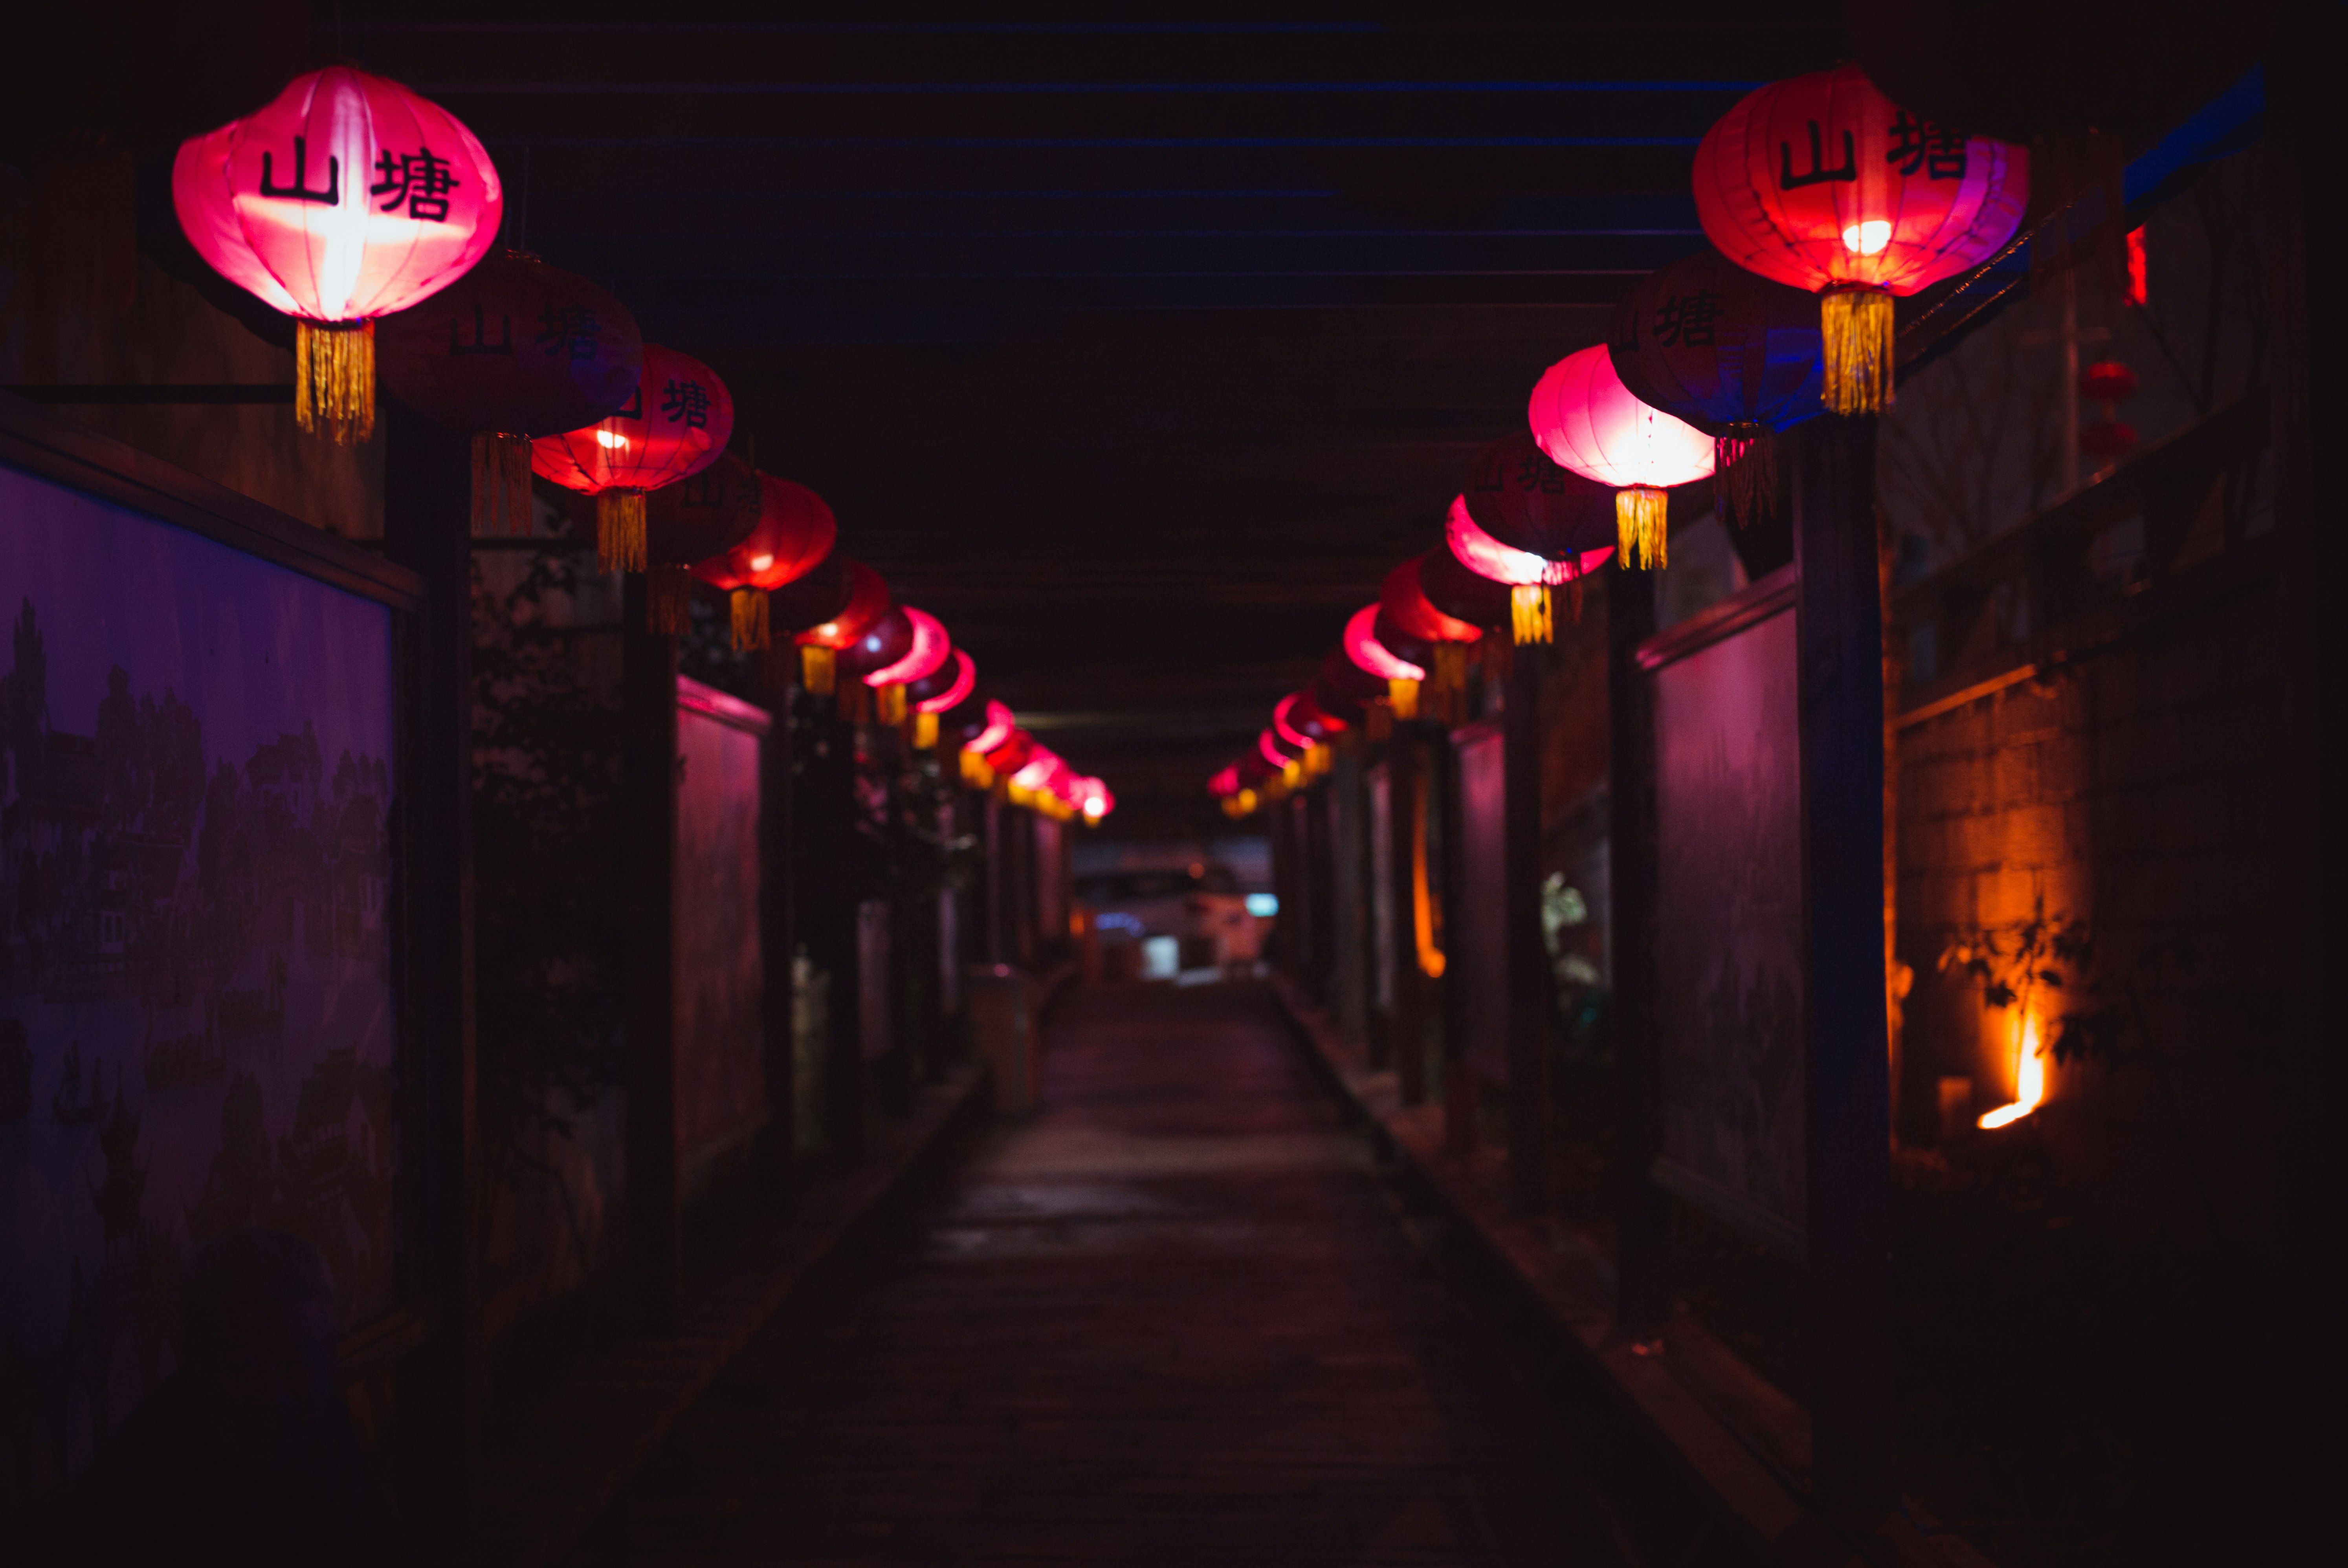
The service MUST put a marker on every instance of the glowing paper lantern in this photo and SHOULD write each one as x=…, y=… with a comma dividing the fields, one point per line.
x=1460, y=594
x=680, y=419
x=345, y=198
x=1094, y=800
x=512, y=349
x=865, y=600
x=1525, y=521
x=939, y=693
x=703, y=516
x=1587, y=420
x=793, y=537
x=1821, y=182
x=1732, y=354
x=1402, y=677
x=1347, y=681
x=927, y=651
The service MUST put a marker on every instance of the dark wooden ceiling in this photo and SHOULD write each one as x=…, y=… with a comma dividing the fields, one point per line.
x=1137, y=350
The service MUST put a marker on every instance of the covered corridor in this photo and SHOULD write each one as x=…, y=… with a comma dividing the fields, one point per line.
x=1178, y=1317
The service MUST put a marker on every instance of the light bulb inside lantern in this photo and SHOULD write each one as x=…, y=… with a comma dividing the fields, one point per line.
x=611, y=438
x=760, y=563
x=1867, y=237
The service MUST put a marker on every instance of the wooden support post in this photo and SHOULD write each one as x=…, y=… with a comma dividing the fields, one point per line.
x=1320, y=889
x=427, y=500
x=834, y=937
x=995, y=935
x=1446, y=875
x=1850, y=1166
x=1529, y=1004
x=1643, y=1212
x=777, y=941
x=648, y=789
x=1405, y=783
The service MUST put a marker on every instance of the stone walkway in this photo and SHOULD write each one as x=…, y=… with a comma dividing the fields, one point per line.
x=1173, y=1320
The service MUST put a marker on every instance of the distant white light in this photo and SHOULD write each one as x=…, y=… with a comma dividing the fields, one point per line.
x=1263, y=903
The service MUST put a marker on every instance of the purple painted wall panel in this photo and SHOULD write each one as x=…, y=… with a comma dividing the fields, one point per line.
x=197, y=1028
x=1475, y=938
x=1729, y=998
x=721, y=1082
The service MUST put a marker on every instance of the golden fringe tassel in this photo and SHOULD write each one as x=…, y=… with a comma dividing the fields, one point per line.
x=925, y=732
x=668, y=600
x=1401, y=696
x=333, y=380
x=1450, y=684
x=1530, y=616
x=1745, y=474
x=1859, y=328
x=620, y=531
x=975, y=772
x=819, y=668
x=889, y=703
x=749, y=618
x=500, y=483
x=1639, y=513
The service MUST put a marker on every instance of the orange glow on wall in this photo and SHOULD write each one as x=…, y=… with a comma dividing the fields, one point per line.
x=2138, y=280
x=2029, y=1076
x=1423, y=914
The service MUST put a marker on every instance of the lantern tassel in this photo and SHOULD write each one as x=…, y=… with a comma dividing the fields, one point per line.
x=620, y=531
x=668, y=600
x=1639, y=526
x=1401, y=696
x=819, y=668
x=333, y=380
x=1530, y=615
x=925, y=732
x=1857, y=324
x=889, y=702
x=1745, y=474
x=750, y=628
x=500, y=483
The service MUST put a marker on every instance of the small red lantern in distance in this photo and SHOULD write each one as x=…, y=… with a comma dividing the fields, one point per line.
x=700, y=517
x=795, y=534
x=821, y=644
x=939, y=693
x=1402, y=677
x=680, y=419
x=1822, y=182
x=345, y=198
x=1585, y=419
x=512, y=349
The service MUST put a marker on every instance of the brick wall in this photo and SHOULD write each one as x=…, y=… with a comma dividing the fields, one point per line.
x=2129, y=785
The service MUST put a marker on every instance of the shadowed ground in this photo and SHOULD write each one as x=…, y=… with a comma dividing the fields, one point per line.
x=1173, y=1320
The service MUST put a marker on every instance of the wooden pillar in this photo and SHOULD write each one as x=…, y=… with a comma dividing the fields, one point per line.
x=1527, y=957
x=1321, y=887
x=1850, y=1166
x=992, y=918
x=834, y=933
x=777, y=941
x=1643, y=1212
x=1406, y=784
x=648, y=791
x=427, y=503
x=1446, y=875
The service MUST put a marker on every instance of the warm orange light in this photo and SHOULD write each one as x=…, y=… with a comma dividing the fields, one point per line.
x=1422, y=896
x=2029, y=1078
x=2140, y=281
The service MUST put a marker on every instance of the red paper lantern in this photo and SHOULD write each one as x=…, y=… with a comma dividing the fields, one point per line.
x=1403, y=600
x=945, y=688
x=821, y=644
x=1458, y=592
x=680, y=419
x=513, y=349
x=903, y=646
x=1348, y=681
x=1528, y=522
x=1001, y=724
x=795, y=534
x=702, y=515
x=1731, y=352
x=1402, y=677
x=1585, y=419
x=1094, y=800
x=345, y=198
x=1822, y=182
x=822, y=594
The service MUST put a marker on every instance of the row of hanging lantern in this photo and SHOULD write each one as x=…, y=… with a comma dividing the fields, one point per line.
x=1818, y=185
x=349, y=200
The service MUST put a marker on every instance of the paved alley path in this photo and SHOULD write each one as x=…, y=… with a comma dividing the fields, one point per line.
x=1172, y=1319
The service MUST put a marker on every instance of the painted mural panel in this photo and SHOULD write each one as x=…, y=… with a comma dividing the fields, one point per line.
x=1729, y=1002
x=1475, y=944
x=197, y=1026
x=1382, y=901
x=721, y=1079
